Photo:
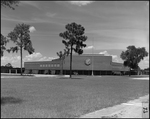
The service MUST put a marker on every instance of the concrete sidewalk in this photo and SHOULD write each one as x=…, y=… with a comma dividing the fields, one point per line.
x=131, y=109
x=13, y=75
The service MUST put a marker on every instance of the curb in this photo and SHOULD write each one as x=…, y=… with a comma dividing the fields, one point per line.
x=131, y=109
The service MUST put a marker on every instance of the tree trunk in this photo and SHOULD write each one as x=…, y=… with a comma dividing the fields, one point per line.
x=130, y=72
x=62, y=67
x=21, y=58
x=138, y=72
x=71, y=62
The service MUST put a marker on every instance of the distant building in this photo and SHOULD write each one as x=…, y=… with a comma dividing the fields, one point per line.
x=83, y=64
x=5, y=69
x=146, y=71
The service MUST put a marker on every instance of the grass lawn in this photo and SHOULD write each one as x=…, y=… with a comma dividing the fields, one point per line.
x=63, y=97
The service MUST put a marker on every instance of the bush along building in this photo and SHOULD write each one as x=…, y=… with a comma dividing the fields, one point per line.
x=86, y=64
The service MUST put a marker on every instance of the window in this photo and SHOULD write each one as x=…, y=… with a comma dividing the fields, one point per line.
x=40, y=65
x=51, y=65
x=58, y=65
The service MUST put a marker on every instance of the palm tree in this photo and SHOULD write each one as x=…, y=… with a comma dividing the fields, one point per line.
x=62, y=57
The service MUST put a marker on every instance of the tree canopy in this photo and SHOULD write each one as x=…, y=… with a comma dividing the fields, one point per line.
x=6, y=3
x=62, y=54
x=132, y=56
x=9, y=3
x=74, y=39
x=8, y=65
x=3, y=44
x=21, y=37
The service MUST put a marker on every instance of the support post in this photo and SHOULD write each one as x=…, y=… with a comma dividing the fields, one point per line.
x=9, y=71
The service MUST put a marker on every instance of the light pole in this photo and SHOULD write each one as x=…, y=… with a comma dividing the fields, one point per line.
x=92, y=58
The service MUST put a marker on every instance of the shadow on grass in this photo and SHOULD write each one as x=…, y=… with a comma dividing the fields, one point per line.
x=10, y=100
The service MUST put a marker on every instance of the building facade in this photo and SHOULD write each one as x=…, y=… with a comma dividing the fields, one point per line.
x=86, y=64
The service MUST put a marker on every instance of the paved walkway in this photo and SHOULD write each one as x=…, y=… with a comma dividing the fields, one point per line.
x=131, y=109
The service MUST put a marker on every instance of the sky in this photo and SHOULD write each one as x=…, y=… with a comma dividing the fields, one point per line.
x=111, y=26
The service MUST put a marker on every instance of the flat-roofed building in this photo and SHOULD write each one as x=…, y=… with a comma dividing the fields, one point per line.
x=81, y=64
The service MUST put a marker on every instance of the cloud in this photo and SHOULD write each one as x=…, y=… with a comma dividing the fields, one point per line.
x=88, y=47
x=114, y=57
x=10, y=59
x=32, y=29
x=37, y=57
x=15, y=60
x=34, y=20
x=31, y=3
x=32, y=57
x=46, y=59
x=144, y=63
x=39, y=20
x=104, y=52
x=48, y=14
x=80, y=3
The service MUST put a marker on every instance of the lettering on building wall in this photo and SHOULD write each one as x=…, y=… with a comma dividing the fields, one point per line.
x=50, y=65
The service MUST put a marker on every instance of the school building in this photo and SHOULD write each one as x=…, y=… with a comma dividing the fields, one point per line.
x=85, y=64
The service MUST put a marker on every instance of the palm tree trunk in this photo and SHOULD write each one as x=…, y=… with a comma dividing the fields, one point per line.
x=21, y=58
x=71, y=62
